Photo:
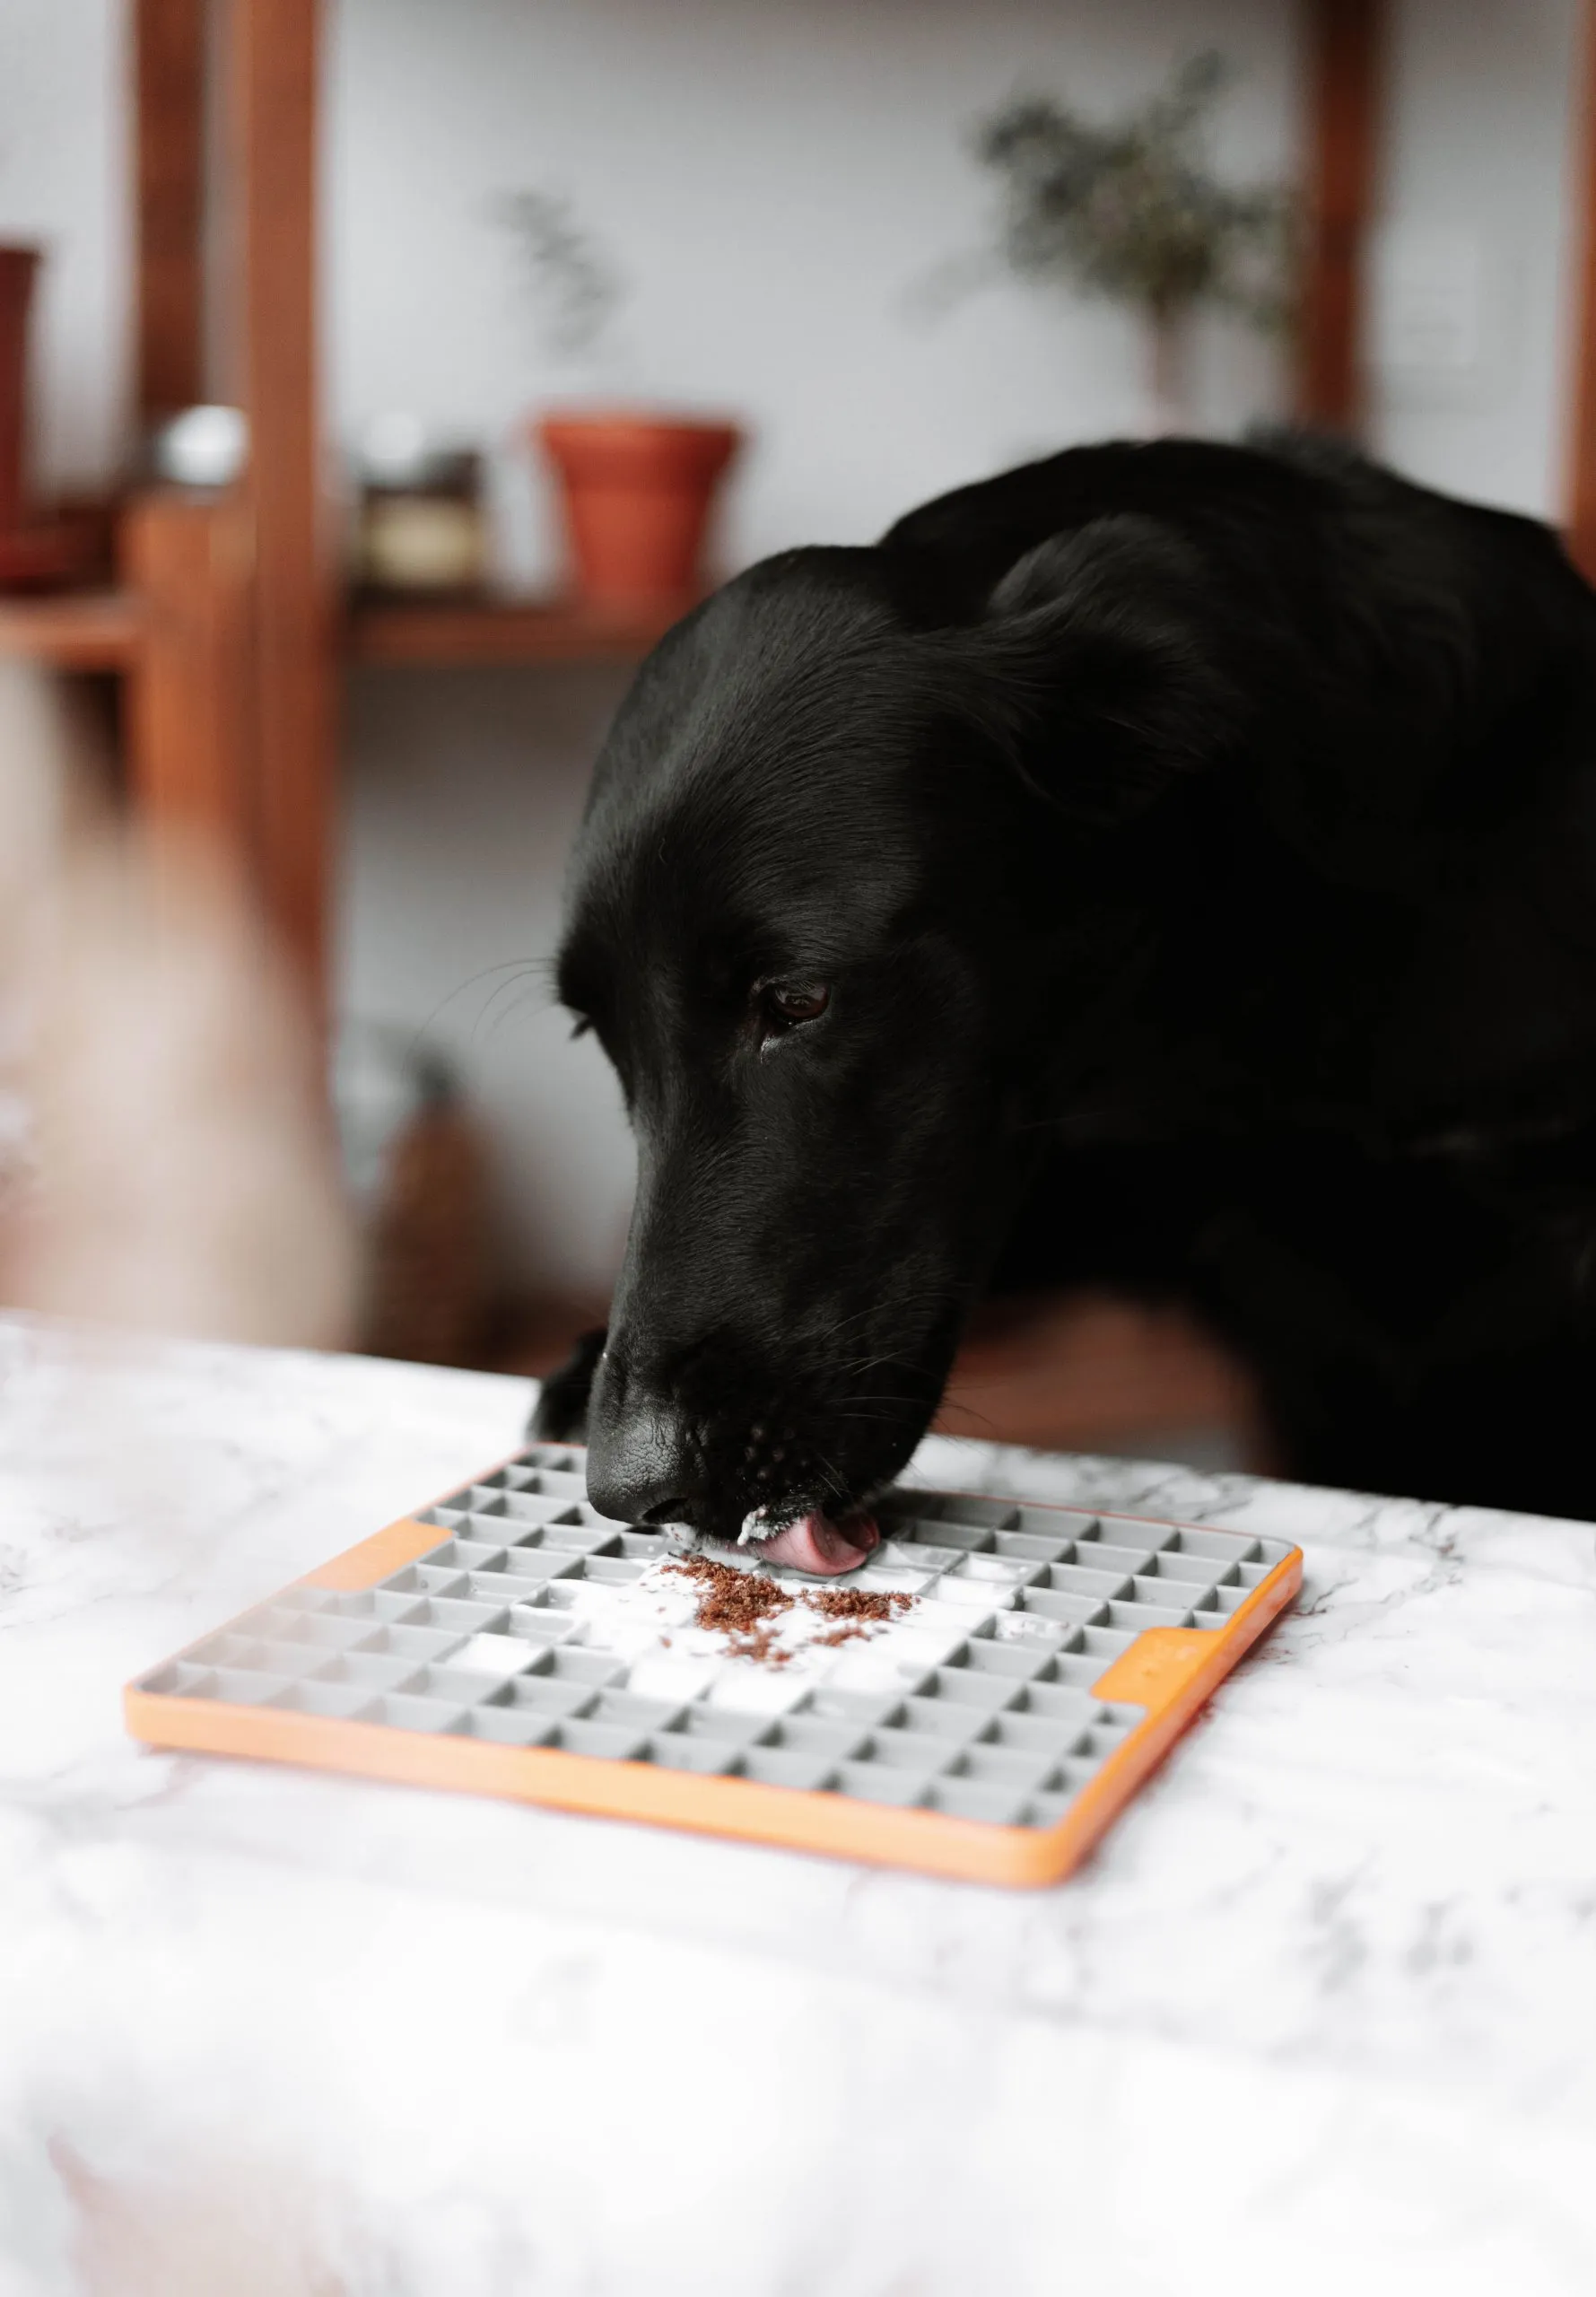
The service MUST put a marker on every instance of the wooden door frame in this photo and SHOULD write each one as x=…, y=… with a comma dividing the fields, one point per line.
x=232, y=712
x=169, y=68
x=273, y=61
x=1346, y=53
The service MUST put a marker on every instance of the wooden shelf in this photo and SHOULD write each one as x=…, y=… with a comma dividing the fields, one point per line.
x=102, y=630
x=505, y=630
x=85, y=630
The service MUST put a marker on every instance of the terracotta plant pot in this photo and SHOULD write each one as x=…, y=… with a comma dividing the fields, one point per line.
x=637, y=490
x=18, y=266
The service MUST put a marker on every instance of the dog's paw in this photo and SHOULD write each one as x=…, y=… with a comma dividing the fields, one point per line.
x=560, y=1415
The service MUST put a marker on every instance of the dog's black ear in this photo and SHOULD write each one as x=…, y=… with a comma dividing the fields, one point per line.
x=1097, y=673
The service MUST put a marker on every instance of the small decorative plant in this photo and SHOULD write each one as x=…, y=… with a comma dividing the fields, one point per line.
x=636, y=483
x=1132, y=210
x=573, y=288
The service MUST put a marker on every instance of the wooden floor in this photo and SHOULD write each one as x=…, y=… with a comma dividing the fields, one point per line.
x=1083, y=1373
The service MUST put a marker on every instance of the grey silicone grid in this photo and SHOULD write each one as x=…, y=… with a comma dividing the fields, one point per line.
x=976, y=1700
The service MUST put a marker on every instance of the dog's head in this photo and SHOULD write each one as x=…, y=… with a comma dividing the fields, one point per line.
x=839, y=856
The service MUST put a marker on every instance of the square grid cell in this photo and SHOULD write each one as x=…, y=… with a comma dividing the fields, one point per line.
x=534, y=1622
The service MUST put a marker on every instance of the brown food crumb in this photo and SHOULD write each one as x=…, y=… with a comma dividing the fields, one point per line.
x=744, y=1606
x=855, y=1609
x=741, y=1605
x=855, y=1603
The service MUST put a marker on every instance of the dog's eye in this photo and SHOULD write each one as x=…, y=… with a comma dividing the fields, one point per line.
x=580, y=1027
x=788, y=1002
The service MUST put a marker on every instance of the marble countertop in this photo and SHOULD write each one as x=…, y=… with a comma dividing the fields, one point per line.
x=1323, y=2005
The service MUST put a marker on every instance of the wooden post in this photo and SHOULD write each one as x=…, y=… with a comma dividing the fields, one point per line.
x=273, y=65
x=169, y=70
x=1346, y=38
x=189, y=756
x=1580, y=522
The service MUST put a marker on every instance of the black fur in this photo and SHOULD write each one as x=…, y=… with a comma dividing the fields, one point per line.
x=1199, y=846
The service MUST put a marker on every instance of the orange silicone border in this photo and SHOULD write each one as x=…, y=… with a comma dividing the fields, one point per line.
x=1170, y=1671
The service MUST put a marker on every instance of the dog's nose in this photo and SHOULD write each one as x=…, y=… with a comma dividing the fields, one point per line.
x=637, y=1464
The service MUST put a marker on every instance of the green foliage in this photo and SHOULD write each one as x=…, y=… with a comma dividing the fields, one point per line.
x=573, y=287
x=1132, y=210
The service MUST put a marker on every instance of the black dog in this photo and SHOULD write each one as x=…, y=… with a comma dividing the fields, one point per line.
x=1170, y=865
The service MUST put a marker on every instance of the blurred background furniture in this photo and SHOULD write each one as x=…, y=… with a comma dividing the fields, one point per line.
x=226, y=623
x=226, y=626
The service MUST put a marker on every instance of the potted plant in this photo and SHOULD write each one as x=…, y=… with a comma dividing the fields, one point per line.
x=1132, y=210
x=636, y=486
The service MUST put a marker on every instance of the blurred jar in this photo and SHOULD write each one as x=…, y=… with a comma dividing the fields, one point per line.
x=203, y=447
x=421, y=526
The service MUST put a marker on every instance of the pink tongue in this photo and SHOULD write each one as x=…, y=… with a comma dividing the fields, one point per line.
x=814, y=1544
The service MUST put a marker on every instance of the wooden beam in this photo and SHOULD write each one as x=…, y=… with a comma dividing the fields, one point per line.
x=272, y=65
x=168, y=71
x=1345, y=42
x=188, y=749
x=1580, y=520
x=472, y=631
x=79, y=630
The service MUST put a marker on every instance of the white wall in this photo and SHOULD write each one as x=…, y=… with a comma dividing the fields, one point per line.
x=774, y=176
x=1476, y=254
x=462, y=794
x=62, y=184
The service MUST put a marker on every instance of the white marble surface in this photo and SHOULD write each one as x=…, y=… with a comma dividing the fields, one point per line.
x=1323, y=2006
